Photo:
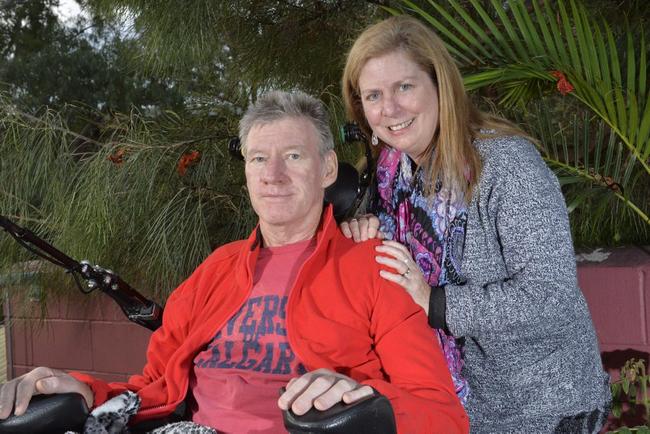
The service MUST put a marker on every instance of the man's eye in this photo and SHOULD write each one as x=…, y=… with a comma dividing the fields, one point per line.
x=257, y=159
x=294, y=156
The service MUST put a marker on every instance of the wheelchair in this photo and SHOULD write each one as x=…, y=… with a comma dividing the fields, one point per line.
x=68, y=412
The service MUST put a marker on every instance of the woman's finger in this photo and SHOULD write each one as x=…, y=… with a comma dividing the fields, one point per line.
x=396, y=245
x=414, y=283
x=397, y=253
x=354, y=228
x=371, y=223
x=345, y=228
x=400, y=279
x=363, y=229
x=396, y=264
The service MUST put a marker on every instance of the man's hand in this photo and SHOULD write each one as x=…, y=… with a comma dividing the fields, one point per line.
x=362, y=228
x=321, y=389
x=18, y=392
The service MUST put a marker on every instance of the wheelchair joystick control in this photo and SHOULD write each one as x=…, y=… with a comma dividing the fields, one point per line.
x=136, y=307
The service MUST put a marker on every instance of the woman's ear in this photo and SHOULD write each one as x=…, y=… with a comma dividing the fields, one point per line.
x=331, y=167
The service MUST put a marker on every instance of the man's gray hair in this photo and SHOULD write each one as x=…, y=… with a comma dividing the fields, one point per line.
x=277, y=105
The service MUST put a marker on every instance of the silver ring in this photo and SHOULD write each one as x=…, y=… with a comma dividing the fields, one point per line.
x=406, y=273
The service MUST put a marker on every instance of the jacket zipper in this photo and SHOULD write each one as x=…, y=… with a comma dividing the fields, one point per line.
x=187, y=382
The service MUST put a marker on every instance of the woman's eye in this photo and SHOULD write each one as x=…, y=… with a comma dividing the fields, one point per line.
x=257, y=159
x=372, y=96
x=405, y=86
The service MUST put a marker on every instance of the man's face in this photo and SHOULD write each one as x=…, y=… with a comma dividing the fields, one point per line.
x=286, y=175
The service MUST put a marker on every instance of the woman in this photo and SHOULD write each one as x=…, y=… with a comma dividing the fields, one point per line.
x=476, y=229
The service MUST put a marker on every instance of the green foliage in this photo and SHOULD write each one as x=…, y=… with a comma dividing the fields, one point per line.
x=106, y=186
x=47, y=64
x=637, y=429
x=121, y=200
x=590, y=161
x=263, y=44
x=631, y=391
x=114, y=193
x=524, y=52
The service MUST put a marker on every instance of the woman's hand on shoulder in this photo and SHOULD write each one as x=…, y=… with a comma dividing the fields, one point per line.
x=407, y=273
x=362, y=228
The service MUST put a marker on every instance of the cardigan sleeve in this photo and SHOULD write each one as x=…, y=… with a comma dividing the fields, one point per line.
x=518, y=218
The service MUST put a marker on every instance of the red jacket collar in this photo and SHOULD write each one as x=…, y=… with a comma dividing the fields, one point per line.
x=248, y=255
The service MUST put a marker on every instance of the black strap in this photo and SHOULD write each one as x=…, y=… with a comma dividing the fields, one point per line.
x=438, y=309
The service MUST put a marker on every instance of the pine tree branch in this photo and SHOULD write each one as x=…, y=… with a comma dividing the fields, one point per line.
x=6, y=193
x=56, y=127
x=112, y=143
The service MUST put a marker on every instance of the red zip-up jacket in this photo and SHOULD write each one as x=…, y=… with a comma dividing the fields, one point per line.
x=341, y=315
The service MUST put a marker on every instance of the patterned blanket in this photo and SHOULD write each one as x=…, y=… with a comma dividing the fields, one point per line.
x=113, y=416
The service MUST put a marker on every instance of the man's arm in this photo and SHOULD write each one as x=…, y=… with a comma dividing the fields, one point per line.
x=162, y=344
x=418, y=383
x=16, y=394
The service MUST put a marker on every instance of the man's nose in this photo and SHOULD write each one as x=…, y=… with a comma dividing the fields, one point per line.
x=274, y=170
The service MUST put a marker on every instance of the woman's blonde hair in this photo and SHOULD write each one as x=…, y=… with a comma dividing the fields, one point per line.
x=455, y=160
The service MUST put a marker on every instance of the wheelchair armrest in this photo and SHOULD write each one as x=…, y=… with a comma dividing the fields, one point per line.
x=68, y=412
x=49, y=414
x=370, y=415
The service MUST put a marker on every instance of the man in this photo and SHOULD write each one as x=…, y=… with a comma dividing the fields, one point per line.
x=296, y=304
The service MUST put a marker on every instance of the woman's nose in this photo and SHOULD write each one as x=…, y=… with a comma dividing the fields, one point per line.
x=389, y=106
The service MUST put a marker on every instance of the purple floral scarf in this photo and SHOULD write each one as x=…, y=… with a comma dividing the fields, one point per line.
x=432, y=228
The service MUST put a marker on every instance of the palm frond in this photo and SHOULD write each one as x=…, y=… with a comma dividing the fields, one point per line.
x=594, y=159
x=524, y=47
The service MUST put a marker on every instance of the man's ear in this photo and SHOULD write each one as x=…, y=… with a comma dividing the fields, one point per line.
x=330, y=168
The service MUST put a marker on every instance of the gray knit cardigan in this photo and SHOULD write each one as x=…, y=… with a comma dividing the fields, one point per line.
x=531, y=355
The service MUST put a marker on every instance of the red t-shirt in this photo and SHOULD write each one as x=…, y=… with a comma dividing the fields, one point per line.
x=235, y=382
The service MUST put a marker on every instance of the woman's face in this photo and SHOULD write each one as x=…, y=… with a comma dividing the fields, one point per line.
x=400, y=102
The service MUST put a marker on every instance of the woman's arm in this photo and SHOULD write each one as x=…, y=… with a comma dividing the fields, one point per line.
x=519, y=259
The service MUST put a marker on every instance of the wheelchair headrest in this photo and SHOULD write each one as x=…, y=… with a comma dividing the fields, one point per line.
x=343, y=194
